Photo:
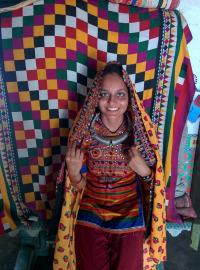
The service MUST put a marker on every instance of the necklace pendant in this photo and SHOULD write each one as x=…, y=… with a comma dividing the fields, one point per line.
x=111, y=143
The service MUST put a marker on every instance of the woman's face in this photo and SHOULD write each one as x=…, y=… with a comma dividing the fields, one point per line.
x=113, y=101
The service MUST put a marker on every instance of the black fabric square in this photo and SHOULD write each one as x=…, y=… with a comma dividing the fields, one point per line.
x=60, y=19
x=92, y=19
x=23, y=86
x=10, y=76
x=82, y=5
x=39, y=41
x=81, y=79
x=103, y=34
x=63, y=141
x=56, y=150
x=34, y=95
x=149, y=84
x=122, y=58
x=20, y=65
x=112, y=47
x=64, y=123
x=29, y=53
x=44, y=105
x=53, y=114
x=71, y=11
x=131, y=69
x=139, y=77
x=49, y=30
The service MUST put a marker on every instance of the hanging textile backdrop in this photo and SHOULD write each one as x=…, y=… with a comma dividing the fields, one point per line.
x=167, y=4
x=51, y=52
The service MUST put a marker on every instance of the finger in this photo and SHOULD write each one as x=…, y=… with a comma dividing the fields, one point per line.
x=78, y=152
x=73, y=150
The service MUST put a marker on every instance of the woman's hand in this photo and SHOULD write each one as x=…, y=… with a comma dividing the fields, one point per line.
x=74, y=160
x=137, y=163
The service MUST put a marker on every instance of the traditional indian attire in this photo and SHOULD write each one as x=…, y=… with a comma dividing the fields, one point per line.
x=115, y=199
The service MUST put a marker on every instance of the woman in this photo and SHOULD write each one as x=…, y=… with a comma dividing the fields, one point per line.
x=113, y=171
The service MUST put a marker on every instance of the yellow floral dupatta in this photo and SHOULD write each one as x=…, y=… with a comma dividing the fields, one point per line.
x=145, y=139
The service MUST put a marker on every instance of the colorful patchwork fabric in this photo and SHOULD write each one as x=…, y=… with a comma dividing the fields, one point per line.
x=167, y=4
x=51, y=51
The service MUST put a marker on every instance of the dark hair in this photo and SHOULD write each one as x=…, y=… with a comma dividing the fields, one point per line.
x=113, y=67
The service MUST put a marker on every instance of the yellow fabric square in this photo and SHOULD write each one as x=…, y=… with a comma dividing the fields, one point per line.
x=24, y=96
x=9, y=66
x=64, y=132
x=12, y=87
x=131, y=59
x=92, y=52
x=50, y=63
x=52, y=84
x=61, y=53
x=18, y=54
x=72, y=105
x=122, y=49
x=140, y=67
x=100, y=65
x=113, y=37
x=20, y=135
x=149, y=74
x=41, y=74
x=29, y=197
x=49, y=19
x=38, y=30
x=27, y=179
x=28, y=42
x=35, y=105
x=81, y=36
x=71, y=44
x=103, y=24
x=34, y=169
x=40, y=161
x=47, y=152
x=71, y=2
x=39, y=205
x=56, y=140
x=62, y=95
x=92, y=10
x=60, y=9
x=147, y=94
x=54, y=123
x=44, y=114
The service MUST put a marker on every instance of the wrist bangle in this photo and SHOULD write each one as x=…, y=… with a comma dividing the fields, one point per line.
x=78, y=182
x=148, y=178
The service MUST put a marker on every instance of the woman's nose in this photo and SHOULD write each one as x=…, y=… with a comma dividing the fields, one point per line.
x=111, y=98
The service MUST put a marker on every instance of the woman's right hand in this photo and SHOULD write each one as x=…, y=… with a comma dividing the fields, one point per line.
x=74, y=160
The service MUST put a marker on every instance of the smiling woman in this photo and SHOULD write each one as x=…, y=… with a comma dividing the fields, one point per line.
x=108, y=208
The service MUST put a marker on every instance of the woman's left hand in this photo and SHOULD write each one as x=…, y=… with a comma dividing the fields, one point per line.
x=137, y=163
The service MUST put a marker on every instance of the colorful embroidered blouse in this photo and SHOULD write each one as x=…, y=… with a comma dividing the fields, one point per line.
x=111, y=199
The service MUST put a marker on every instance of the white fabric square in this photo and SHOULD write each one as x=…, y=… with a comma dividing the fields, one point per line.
x=28, y=124
x=71, y=76
x=33, y=85
x=144, y=35
x=21, y=76
x=49, y=41
x=153, y=43
x=81, y=14
x=53, y=103
x=60, y=31
x=6, y=33
x=134, y=27
x=70, y=21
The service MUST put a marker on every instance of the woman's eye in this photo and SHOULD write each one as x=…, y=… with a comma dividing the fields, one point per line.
x=104, y=94
x=121, y=94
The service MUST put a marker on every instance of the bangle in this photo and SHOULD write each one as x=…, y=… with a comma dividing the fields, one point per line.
x=148, y=178
x=78, y=182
